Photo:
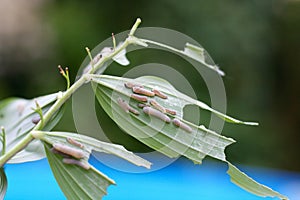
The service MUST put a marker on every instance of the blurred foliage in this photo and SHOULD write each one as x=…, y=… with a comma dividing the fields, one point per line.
x=255, y=42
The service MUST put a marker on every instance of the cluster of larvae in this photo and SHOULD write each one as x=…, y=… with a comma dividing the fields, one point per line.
x=71, y=155
x=150, y=106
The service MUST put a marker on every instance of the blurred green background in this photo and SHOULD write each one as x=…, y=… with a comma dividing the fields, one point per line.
x=255, y=42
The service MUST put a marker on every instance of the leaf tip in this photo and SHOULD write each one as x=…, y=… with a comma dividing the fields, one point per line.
x=245, y=182
x=219, y=71
x=252, y=123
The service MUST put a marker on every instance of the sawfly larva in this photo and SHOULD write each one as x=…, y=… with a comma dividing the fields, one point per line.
x=157, y=106
x=75, y=143
x=182, y=125
x=131, y=85
x=159, y=94
x=142, y=105
x=170, y=111
x=139, y=97
x=156, y=113
x=139, y=90
x=126, y=107
x=76, y=153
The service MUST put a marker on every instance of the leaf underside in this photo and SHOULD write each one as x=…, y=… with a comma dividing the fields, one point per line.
x=16, y=116
x=90, y=144
x=167, y=138
x=76, y=182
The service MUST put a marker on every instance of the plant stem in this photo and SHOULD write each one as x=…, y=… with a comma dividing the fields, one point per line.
x=135, y=26
x=21, y=145
x=65, y=96
x=3, y=141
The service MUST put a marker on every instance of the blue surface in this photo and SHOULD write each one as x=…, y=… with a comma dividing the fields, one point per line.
x=180, y=180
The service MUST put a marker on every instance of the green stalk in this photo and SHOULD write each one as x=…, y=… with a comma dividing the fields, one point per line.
x=3, y=141
x=65, y=96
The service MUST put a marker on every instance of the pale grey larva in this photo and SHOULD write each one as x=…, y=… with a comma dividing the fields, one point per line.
x=123, y=104
x=60, y=153
x=157, y=106
x=139, y=97
x=75, y=143
x=139, y=90
x=182, y=125
x=157, y=114
x=142, y=105
x=76, y=153
x=131, y=85
x=159, y=94
x=126, y=107
x=170, y=111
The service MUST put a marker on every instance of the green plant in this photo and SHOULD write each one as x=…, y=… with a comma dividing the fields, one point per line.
x=26, y=132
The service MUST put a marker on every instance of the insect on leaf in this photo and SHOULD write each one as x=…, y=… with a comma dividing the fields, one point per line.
x=18, y=117
x=171, y=139
x=75, y=176
x=166, y=138
x=90, y=144
x=75, y=181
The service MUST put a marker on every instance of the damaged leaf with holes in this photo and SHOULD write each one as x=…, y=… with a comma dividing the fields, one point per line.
x=164, y=136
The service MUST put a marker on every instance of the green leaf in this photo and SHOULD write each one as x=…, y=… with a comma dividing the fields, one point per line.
x=3, y=183
x=92, y=144
x=242, y=180
x=165, y=138
x=190, y=50
x=115, y=83
x=77, y=182
x=16, y=115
